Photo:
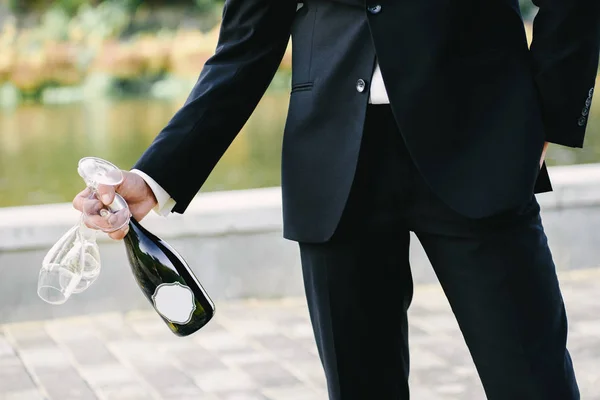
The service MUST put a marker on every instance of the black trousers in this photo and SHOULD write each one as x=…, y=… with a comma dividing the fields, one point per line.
x=497, y=274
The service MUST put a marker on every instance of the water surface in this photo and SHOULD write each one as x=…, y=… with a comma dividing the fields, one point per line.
x=41, y=145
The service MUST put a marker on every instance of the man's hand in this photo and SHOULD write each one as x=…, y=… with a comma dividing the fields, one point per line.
x=544, y=154
x=134, y=190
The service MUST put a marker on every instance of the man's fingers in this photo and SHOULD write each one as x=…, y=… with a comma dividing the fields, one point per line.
x=120, y=234
x=106, y=193
x=88, y=223
x=79, y=200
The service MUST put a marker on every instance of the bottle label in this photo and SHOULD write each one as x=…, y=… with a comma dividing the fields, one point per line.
x=175, y=302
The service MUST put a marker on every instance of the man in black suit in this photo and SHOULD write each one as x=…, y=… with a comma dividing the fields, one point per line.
x=429, y=116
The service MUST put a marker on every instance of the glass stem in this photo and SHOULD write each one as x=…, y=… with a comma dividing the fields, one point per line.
x=85, y=233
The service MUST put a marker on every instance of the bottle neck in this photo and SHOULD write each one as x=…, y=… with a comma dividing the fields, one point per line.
x=133, y=227
x=118, y=204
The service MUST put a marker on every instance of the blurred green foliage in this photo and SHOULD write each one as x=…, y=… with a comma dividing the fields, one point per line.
x=206, y=5
x=71, y=7
x=65, y=50
x=108, y=19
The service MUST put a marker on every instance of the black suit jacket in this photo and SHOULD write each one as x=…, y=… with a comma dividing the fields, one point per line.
x=472, y=101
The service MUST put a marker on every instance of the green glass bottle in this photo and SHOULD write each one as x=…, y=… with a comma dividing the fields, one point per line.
x=167, y=281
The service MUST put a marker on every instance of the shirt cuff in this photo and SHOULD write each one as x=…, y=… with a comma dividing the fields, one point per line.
x=165, y=202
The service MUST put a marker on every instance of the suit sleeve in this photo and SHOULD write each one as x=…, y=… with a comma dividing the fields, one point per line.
x=565, y=49
x=253, y=37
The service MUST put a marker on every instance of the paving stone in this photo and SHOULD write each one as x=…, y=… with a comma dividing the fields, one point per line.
x=588, y=327
x=416, y=333
x=111, y=327
x=188, y=391
x=197, y=360
x=321, y=393
x=296, y=354
x=293, y=393
x=420, y=358
x=436, y=324
x=320, y=385
x=283, y=314
x=429, y=299
x=473, y=392
x=222, y=342
x=443, y=378
x=300, y=330
x=270, y=374
x=167, y=380
x=32, y=394
x=10, y=361
x=14, y=377
x=310, y=371
x=45, y=357
x=107, y=375
x=214, y=326
x=452, y=389
x=131, y=391
x=424, y=393
x=248, y=395
x=115, y=320
x=452, y=352
x=171, y=344
x=224, y=381
x=247, y=355
x=240, y=311
x=65, y=384
x=586, y=347
x=90, y=351
x=587, y=375
x=5, y=348
x=31, y=337
x=254, y=327
x=153, y=327
x=70, y=329
x=308, y=343
x=276, y=342
x=139, y=352
x=254, y=350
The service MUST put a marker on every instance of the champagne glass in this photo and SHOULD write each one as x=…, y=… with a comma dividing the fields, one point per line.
x=61, y=268
x=90, y=259
x=73, y=263
x=97, y=215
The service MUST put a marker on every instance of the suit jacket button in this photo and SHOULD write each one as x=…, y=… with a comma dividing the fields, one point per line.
x=588, y=102
x=361, y=85
x=581, y=121
x=376, y=9
x=585, y=111
x=591, y=92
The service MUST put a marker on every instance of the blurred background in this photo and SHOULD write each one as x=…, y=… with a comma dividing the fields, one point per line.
x=101, y=78
x=80, y=77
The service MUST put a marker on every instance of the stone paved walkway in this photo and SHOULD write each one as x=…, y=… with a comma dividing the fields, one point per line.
x=260, y=350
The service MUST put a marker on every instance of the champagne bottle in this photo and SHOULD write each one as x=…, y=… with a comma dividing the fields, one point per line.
x=167, y=281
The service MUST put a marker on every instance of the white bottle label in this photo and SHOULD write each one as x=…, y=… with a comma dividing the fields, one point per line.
x=175, y=302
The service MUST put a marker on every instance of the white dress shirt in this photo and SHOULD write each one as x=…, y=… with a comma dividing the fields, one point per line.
x=377, y=95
